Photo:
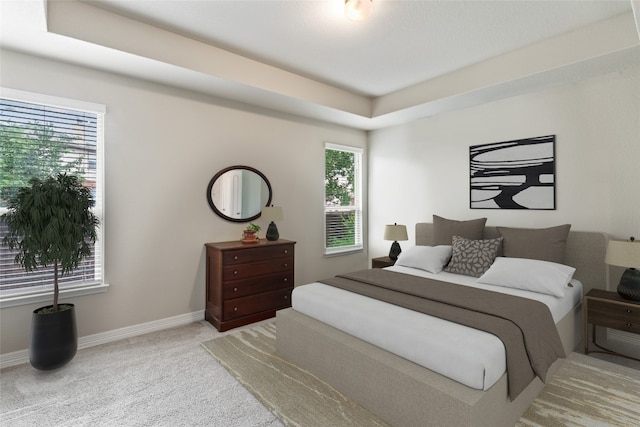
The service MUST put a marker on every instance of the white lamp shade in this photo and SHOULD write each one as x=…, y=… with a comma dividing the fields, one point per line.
x=357, y=10
x=272, y=213
x=623, y=253
x=395, y=232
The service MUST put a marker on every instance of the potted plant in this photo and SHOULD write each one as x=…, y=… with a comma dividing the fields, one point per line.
x=51, y=225
x=250, y=234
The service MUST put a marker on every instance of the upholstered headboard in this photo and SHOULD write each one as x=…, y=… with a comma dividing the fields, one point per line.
x=585, y=252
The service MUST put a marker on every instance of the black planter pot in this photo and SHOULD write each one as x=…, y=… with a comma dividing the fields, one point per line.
x=54, y=338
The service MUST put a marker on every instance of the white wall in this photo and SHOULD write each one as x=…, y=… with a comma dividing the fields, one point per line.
x=422, y=168
x=163, y=145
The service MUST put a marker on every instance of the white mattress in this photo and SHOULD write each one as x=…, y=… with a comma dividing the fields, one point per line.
x=470, y=356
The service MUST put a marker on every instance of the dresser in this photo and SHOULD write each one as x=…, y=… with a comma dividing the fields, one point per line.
x=247, y=282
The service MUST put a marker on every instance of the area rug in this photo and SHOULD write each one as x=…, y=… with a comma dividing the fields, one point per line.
x=583, y=392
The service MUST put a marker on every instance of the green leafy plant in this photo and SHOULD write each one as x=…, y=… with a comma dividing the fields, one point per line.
x=253, y=227
x=33, y=150
x=51, y=224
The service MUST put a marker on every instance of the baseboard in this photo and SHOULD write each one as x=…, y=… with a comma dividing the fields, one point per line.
x=22, y=356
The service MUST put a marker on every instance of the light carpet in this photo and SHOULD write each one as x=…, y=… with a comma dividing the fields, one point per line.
x=584, y=392
x=161, y=379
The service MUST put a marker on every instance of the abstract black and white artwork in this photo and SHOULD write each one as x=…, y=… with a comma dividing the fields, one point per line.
x=517, y=174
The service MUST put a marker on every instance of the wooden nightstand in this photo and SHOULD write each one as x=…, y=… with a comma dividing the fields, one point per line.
x=382, y=262
x=608, y=309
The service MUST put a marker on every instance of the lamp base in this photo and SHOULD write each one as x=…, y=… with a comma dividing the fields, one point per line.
x=395, y=250
x=629, y=286
x=272, y=232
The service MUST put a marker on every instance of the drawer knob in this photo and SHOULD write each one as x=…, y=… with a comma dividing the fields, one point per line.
x=235, y=272
x=235, y=289
x=235, y=257
x=285, y=279
x=235, y=308
x=629, y=310
x=286, y=297
x=286, y=265
x=629, y=324
x=286, y=251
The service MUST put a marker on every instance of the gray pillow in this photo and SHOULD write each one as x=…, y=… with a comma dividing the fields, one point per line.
x=444, y=229
x=473, y=257
x=545, y=244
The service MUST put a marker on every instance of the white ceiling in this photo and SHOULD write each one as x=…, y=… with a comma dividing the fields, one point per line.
x=401, y=44
x=409, y=59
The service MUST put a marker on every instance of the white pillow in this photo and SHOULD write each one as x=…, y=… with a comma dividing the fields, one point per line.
x=544, y=277
x=430, y=258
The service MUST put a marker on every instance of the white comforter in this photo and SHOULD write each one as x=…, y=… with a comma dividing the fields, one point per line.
x=470, y=356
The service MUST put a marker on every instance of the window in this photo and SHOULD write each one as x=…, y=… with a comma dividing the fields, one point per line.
x=42, y=136
x=342, y=199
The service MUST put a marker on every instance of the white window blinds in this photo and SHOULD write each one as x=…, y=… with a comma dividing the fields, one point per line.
x=40, y=139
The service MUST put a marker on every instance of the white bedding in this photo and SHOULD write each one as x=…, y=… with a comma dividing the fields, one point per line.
x=469, y=356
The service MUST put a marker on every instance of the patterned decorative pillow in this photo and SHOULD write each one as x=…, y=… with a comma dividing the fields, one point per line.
x=473, y=257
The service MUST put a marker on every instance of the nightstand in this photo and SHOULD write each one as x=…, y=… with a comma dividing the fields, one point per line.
x=382, y=262
x=608, y=309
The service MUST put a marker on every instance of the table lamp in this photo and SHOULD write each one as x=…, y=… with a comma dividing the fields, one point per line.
x=272, y=213
x=626, y=253
x=395, y=232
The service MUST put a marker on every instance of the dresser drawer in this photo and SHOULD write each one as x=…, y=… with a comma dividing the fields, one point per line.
x=259, y=268
x=245, y=306
x=616, y=316
x=241, y=288
x=241, y=256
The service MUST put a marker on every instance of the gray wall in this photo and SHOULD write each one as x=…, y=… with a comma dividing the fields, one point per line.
x=162, y=147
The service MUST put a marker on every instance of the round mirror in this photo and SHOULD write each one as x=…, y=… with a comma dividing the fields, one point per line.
x=238, y=193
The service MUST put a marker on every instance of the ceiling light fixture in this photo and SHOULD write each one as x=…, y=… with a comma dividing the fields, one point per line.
x=357, y=10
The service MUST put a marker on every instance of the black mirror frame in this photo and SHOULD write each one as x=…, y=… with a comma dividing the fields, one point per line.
x=225, y=170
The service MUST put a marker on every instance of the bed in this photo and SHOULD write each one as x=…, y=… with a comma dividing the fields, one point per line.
x=404, y=392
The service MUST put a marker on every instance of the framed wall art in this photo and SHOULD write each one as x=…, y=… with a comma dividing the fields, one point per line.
x=517, y=174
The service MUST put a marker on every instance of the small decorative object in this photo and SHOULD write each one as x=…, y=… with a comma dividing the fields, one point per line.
x=516, y=174
x=395, y=232
x=51, y=224
x=250, y=234
x=272, y=213
x=626, y=253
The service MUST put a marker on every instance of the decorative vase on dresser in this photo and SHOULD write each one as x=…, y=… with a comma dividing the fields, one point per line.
x=247, y=282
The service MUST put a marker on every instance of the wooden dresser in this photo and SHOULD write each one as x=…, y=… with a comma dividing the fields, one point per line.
x=247, y=282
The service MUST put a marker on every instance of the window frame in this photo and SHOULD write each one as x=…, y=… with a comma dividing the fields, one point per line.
x=44, y=293
x=358, y=246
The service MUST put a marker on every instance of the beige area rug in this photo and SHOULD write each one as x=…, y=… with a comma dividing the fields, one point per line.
x=583, y=392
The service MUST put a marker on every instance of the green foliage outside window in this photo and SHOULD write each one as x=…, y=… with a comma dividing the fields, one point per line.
x=341, y=198
x=32, y=150
x=339, y=178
